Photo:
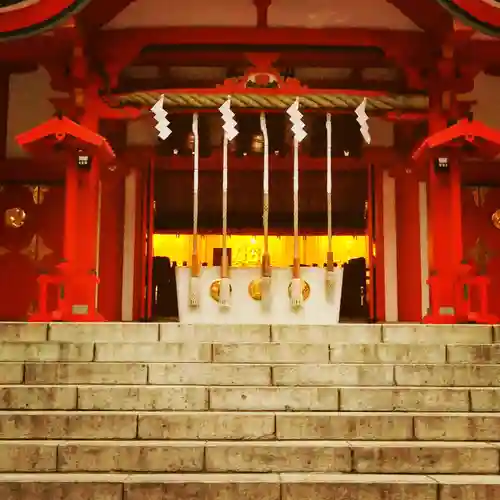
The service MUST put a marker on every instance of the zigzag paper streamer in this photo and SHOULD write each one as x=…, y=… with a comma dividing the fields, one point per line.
x=160, y=115
x=298, y=126
x=229, y=124
x=362, y=119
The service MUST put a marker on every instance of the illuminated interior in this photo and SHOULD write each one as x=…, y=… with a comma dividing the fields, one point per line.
x=247, y=249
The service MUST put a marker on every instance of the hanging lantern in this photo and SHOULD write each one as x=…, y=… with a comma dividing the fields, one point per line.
x=258, y=143
x=495, y=218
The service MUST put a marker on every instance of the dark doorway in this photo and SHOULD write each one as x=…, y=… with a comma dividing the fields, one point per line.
x=173, y=215
x=354, y=304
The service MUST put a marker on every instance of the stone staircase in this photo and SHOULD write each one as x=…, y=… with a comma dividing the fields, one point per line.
x=171, y=412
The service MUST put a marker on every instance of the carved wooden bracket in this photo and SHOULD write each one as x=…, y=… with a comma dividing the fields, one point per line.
x=261, y=75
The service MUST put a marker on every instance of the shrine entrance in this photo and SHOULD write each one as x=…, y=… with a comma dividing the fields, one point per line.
x=172, y=240
x=228, y=162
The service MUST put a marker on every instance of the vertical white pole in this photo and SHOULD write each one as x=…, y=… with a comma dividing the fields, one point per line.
x=424, y=244
x=128, y=271
x=390, y=248
x=98, y=242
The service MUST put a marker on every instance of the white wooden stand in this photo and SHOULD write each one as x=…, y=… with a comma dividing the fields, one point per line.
x=321, y=308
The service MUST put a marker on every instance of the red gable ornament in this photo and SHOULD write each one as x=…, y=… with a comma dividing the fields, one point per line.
x=21, y=18
x=482, y=15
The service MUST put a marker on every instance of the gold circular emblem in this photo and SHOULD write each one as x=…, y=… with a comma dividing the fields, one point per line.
x=306, y=290
x=215, y=290
x=495, y=218
x=14, y=217
x=255, y=289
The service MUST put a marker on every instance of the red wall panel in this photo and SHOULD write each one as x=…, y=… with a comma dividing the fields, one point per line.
x=33, y=248
x=478, y=206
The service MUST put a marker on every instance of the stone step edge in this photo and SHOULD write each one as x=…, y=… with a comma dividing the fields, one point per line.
x=255, y=478
x=74, y=385
x=266, y=364
x=264, y=413
x=233, y=342
x=219, y=342
x=283, y=443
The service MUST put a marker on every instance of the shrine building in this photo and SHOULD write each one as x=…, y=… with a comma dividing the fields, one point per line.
x=97, y=210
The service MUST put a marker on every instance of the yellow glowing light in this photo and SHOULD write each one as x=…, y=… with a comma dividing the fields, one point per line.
x=247, y=250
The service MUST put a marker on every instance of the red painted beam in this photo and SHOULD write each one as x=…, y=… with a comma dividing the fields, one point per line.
x=261, y=37
x=295, y=58
x=428, y=15
x=136, y=156
x=119, y=48
x=129, y=85
x=99, y=13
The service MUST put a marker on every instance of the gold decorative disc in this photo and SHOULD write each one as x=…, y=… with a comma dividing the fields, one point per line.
x=14, y=217
x=495, y=218
x=306, y=290
x=255, y=289
x=215, y=290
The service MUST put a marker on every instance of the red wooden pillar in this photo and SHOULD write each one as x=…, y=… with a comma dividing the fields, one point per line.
x=378, y=233
x=81, y=226
x=111, y=223
x=408, y=244
x=438, y=193
x=445, y=228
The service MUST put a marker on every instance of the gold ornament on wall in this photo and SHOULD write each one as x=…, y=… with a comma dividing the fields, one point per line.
x=481, y=255
x=306, y=290
x=255, y=289
x=37, y=250
x=14, y=217
x=495, y=218
x=479, y=194
x=38, y=193
x=215, y=290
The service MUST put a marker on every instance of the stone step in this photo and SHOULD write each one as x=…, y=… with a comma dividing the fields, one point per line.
x=366, y=457
x=46, y=351
x=343, y=333
x=250, y=352
x=271, y=486
x=216, y=374
x=393, y=333
x=385, y=375
x=382, y=426
x=221, y=398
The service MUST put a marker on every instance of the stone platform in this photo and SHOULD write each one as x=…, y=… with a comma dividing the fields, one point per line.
x=168, y=412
